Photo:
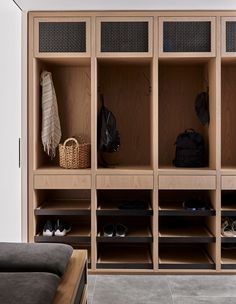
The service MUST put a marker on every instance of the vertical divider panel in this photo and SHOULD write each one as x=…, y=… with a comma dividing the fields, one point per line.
x=93, y=145
x=31, y=66
x=218, y=143
x=155, y=141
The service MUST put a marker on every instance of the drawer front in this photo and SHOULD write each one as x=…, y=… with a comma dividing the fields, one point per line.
x=187, y=182
x=62, y=182
x=124, y=182
x=228, y=182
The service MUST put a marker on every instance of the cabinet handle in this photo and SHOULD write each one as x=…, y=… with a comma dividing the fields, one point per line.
x=19, y=152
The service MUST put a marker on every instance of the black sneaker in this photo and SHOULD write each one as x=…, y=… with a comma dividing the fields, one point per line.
x=48, y=229
x=61, y=228
x=108, y=230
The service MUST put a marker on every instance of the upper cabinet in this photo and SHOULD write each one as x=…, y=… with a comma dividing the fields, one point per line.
x=228, y=46
x=124, y=36
x=62, y=36
x=186, y=36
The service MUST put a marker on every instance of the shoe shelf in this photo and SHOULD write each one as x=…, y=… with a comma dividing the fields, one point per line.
x=226, y=239
x=112, y=209
x=228, y=203
x=80, y=233
x=185, y=235
x=64, y=207
x=228, y=257
x=124, y=257
x=175, y=208
x=135, y=234
x=184, y=257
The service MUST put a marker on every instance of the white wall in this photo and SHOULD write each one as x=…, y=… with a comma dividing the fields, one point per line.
x=10, y=104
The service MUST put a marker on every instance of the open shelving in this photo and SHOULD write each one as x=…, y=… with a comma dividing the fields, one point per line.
x=126, y=87
x=184, y=257
x=72, y=82
x=150, y=66
x=186, y=78
x=124, y=257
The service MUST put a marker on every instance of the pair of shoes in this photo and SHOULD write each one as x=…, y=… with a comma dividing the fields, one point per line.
x=118, y=230
x=59, y=229
x=228, y=227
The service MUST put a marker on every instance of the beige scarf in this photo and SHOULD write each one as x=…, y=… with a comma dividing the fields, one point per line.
x=51, y=128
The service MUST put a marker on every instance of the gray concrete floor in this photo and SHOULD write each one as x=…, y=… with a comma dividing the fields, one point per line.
x=163, y=289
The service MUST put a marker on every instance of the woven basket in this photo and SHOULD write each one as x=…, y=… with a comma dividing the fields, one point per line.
x=76, y=155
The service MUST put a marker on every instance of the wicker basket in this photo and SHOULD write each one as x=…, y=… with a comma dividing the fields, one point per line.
x=76, y=155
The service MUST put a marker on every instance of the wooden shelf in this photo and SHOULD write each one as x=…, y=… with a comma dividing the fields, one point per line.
x=172, y=170
x=78, y=234
x=225, y=239
x=111, y=208
x=185, y=235
x=126, y=170
x=184, y=257
x=64, y=207
x=228, y=258
x=124, y=257
x=228, y=209
x=168, y=208
x=58, y=170
x=135, y=234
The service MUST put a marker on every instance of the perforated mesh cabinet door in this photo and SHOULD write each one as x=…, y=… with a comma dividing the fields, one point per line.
x=62, y=37
x=124, y=36
x=231, y=36
x=187, y=36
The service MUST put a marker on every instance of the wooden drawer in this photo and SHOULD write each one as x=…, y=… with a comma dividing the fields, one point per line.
x=124, y=182
x=187, y=182
x=62, y=182
x=228, y=182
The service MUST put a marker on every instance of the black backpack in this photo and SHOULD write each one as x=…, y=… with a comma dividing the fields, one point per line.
x=189, y=150
x=108, y=135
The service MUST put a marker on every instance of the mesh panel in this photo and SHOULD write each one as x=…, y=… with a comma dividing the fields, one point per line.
x=230, y=36
x=124, y=37
x=62, y=37
x=187, y=36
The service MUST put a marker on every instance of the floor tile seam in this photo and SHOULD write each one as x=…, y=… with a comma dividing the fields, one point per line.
x=203, y=296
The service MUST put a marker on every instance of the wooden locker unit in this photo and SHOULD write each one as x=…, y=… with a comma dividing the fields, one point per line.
x=149, y=74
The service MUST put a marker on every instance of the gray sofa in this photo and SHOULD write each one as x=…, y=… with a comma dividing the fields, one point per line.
x=31, y=273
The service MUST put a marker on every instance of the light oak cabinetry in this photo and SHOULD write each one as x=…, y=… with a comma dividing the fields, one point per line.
x=149, y=66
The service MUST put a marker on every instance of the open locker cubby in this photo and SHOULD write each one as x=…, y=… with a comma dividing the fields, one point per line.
x=182, y=256
x=117, y=252
x=171, y=202
x=117, y=256
x=126, y=87
x=72, y=82
x=228, y=108
x=180, y=81
x=109, y=202
x=228, y=203
x=228, y=244
x=72, y=207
